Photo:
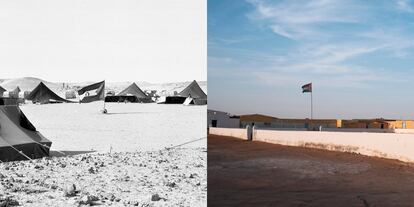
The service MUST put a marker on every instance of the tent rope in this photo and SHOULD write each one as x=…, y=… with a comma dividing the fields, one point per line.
x=168, y=148
x=43, y=145
x=20, y=152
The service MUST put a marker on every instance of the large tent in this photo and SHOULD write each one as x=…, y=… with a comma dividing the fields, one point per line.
x=19, y=139
x=42, y=94
x=194, y=91
x=192, y=94
x=131, y=94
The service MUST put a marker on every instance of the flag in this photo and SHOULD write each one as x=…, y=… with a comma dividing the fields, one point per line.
x=94, y=92
x=307, y=88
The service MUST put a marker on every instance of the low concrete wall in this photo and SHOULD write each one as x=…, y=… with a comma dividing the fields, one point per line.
x=386, y=145
x=231, y=132
x=404, y=131
x=370, y=130
x=398, y=131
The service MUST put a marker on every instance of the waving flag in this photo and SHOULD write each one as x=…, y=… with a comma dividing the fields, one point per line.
x=307, y=88
x=94, y=92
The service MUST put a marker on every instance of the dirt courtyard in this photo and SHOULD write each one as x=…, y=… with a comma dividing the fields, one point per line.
x=243, y=173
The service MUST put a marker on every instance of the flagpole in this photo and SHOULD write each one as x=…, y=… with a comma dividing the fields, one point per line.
x=104, y=109
x=311, y=120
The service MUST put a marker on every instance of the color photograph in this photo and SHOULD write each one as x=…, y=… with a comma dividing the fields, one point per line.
x=309, y=103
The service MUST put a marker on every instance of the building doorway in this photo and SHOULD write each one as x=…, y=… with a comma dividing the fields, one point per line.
x=214, y=123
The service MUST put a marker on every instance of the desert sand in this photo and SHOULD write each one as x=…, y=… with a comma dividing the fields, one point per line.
x=126, y=127
x=132, y=156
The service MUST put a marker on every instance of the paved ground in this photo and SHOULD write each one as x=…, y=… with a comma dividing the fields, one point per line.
x=242, y=173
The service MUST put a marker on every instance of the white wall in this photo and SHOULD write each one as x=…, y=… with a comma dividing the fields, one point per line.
x=223, y=119
x=404, y=131
x=231, y=132
x=387, y=145
x=372, y=130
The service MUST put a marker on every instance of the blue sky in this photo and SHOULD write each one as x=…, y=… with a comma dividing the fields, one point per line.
x=359, y=55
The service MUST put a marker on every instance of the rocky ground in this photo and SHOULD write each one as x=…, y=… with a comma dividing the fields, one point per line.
x=169, y=177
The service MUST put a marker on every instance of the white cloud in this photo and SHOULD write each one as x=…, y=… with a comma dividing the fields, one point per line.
x=297, y=19
x=404, y=5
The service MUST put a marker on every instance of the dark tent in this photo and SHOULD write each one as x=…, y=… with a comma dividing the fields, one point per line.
x=42, y=94
x=192, y=91
x=133, y=90
x=18, y=137
x=131, y=94
x=175, y=99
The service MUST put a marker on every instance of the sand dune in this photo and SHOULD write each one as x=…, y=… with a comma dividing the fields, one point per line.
x=27, y=84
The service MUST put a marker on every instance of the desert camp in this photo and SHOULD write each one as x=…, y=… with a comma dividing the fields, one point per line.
x=80, y=123
x=65, y=136
x=21, y=140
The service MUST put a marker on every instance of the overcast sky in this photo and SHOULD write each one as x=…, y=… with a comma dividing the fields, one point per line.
x=88, y=40
x=358, y=54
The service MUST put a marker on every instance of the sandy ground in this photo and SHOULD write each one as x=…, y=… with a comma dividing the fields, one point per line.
x=126, y=127
x=122, y=158
x=242, y=173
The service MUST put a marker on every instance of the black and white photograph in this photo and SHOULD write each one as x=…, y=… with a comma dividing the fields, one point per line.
x=195, y=103
x=103, y=102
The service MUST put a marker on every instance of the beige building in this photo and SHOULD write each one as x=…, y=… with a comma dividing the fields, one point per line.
x=379, y=124
x=264, y=121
